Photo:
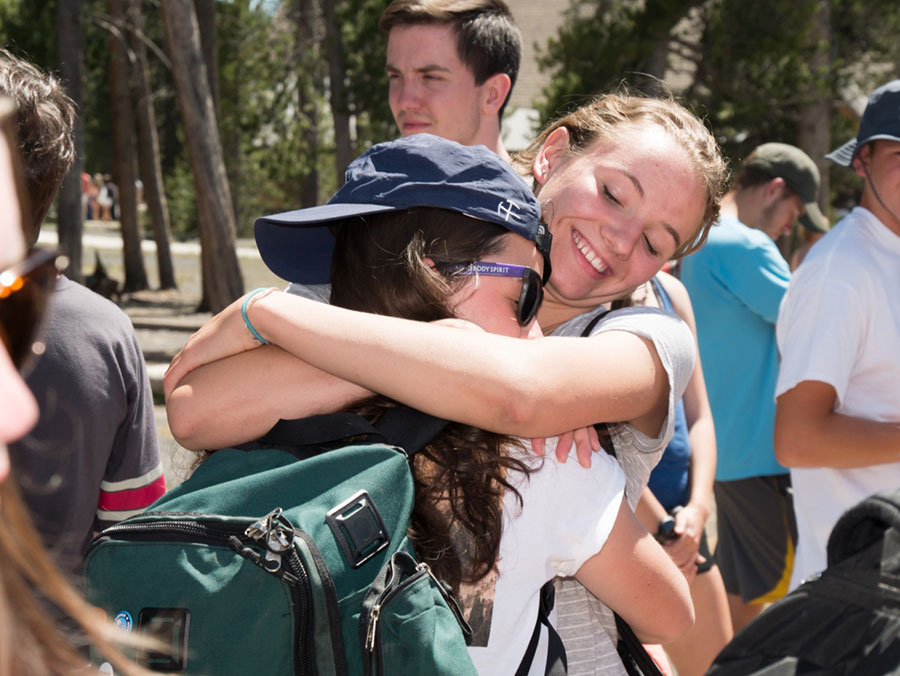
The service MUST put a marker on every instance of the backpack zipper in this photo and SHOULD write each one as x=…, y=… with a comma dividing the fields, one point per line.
x=276, y=533
x=372, y=646
x=273, y=533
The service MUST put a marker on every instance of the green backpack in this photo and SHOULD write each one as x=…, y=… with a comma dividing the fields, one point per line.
x=283, y=559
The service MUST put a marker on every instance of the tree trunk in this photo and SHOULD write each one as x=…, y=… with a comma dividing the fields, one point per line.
x=344, y=150
x=663, y=15
x=814, y=130
x=123, y=151
x=307, y=103
x=70, y=55
x=233, y=142
x=658, y=61
x=222, y=276
x=148, y=149
x=206, y=22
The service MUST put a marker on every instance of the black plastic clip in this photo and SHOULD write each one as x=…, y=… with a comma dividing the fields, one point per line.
x=358, y=528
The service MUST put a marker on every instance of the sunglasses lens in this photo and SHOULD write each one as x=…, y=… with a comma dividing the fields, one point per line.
x=531, y=297
x=22, y=303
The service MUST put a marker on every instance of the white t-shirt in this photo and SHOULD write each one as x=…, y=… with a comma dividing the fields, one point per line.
x=840, y=324
x=566, y=515
x=587, y=627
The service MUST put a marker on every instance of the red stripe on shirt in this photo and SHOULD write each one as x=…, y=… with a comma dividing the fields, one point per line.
x=135, y=498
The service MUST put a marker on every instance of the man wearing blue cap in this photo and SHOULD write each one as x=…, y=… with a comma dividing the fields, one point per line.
x=838, y=393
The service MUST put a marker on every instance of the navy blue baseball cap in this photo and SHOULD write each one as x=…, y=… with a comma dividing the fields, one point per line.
x=881, y=120
x=416, y=171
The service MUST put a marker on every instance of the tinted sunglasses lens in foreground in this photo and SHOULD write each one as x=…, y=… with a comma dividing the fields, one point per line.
x=24, y=292
x=531, y=297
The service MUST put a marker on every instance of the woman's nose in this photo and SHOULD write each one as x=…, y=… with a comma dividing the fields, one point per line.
x=621, y=237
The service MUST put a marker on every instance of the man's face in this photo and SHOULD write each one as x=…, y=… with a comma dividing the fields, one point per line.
x=431, y=90
x=882, y=160
x=780, y=212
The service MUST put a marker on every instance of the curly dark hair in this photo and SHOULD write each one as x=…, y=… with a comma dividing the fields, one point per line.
x=381, y=265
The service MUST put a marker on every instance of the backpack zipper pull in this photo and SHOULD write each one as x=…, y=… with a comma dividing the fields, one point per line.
x=370, y=631
x=275, y=533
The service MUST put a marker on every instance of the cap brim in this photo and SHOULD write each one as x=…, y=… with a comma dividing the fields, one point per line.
x=297, y=245
x=813, y=219
x=844, y=154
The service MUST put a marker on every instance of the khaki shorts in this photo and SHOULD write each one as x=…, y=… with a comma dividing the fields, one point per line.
x=757, y=536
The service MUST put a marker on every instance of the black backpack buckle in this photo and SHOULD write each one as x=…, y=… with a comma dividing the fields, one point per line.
x=358, y=528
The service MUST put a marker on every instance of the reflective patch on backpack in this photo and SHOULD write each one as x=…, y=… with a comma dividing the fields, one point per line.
x=123, y=621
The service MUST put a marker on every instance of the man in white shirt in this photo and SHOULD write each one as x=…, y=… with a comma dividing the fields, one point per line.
x=837, y=423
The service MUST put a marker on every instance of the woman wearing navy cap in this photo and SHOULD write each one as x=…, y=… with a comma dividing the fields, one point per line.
x=471, y=254
x=626, y=184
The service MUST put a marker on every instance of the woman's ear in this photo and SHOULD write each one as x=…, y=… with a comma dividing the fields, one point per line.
x=429, y=262
x=551, y=154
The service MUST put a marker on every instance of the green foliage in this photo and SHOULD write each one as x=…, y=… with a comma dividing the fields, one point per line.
x=601, y=44
x=364, y=48
x=262, y=70
x=755, y=75
x=862, y=29
x=751, y=61
x=98, y=152
x=182, y=199
x=27, y=30
x=261, y=131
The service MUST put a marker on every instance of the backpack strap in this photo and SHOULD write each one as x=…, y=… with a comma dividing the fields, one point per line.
x=662, y=296
x=631, y=651
x=409, y=428
x=557, y=664
x=402, y=426
x=591, y=324
x=328, y=430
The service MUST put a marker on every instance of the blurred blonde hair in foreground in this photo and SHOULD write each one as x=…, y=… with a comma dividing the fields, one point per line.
x=30, y=585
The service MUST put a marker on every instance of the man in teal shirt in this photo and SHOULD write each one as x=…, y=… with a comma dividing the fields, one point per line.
x=736, y=283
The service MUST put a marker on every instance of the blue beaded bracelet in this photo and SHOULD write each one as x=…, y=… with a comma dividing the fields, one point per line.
x=247, y=319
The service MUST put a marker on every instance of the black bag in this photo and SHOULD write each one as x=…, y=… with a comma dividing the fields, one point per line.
x=847, y=620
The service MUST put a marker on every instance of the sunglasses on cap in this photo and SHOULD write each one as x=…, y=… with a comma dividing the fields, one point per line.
x=25, y=289
x=530, y=297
